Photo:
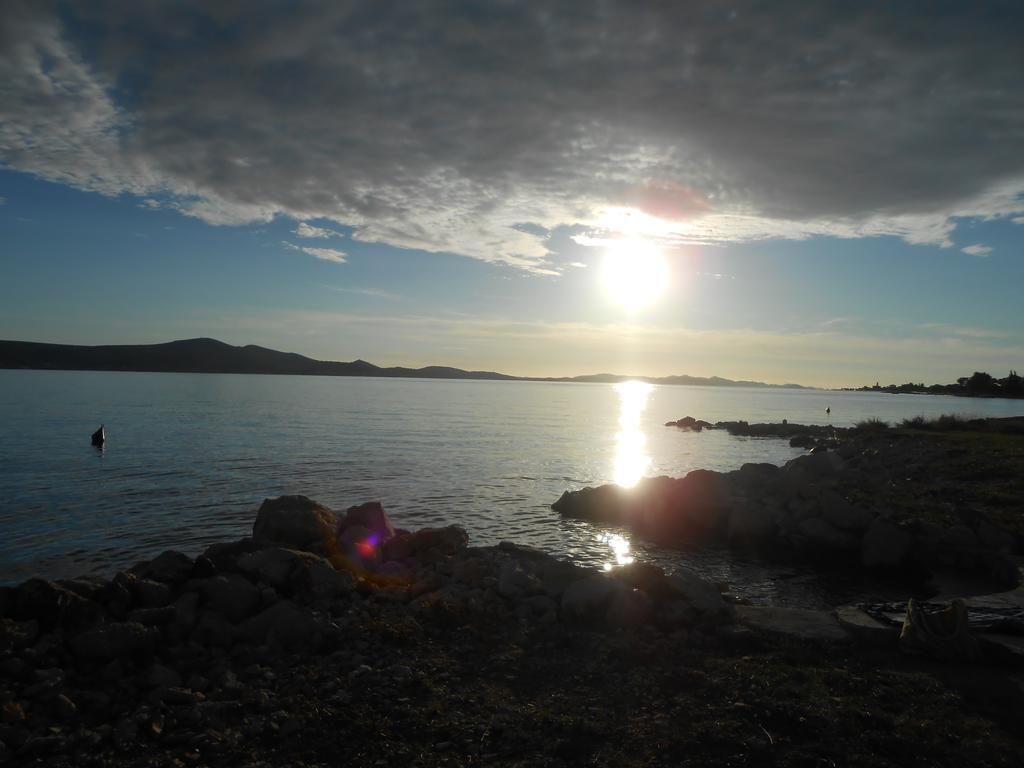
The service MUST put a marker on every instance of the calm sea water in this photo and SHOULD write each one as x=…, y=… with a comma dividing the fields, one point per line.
x=190, y=457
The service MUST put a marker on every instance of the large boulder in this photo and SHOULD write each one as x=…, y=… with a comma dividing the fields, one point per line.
x=815, y=466
x=373, y=518
x=604, y=505
x=169, y=567
x=426, y=543
x=750, y=523
x=588, y=599
x=325, y=581
x=54, y=605
x=283, y=624
x=629, y=608
x=516, y=583
x=222, y=557
x=277, y=566
x=702, y=596
x=294, y=522
x=662, y=508
x=885, y=545
x=230, y=595
x=297, y=573
x=816, y=536
x=840, y=513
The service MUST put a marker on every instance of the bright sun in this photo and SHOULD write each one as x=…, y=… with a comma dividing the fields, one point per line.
x=635, y=273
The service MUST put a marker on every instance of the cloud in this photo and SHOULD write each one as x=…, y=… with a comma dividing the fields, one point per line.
x=425, y=125
x=964, y=331
x=372, y=292
x=3, y=201
x=327, y=254
x=307, y=230
x=977, y=250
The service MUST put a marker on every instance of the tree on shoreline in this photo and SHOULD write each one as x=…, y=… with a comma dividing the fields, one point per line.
x=979, y=384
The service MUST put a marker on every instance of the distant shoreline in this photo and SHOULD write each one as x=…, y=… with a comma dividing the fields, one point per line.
x=212, y=356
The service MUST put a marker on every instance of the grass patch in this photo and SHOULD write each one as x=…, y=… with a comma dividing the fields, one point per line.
x=871, y=425
x=950, y=422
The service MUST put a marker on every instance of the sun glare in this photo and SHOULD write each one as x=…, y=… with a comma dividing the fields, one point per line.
x=631, y=458
x=635, y=273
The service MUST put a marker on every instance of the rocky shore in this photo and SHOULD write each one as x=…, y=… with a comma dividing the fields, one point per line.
x=904, y=501
x=326, y=638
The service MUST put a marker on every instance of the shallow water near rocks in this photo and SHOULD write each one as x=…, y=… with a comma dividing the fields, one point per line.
x=189, y=458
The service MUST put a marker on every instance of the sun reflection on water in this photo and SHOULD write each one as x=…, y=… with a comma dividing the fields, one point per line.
x=620, y=549
x=631, y=459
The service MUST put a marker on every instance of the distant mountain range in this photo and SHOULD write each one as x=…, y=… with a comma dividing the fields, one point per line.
x=212, y=356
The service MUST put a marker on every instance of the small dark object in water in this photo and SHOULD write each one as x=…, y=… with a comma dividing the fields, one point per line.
x=99, y=437
x=828, y=410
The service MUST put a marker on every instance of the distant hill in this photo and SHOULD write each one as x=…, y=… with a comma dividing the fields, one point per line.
x=212, y=356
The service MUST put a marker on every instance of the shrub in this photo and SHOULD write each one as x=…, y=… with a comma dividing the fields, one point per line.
x=871, y=425
x=949, y=422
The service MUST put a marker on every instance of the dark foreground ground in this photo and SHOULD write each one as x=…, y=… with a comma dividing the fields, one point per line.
x=426, y=691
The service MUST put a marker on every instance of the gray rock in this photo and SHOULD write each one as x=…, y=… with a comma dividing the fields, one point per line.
x=178, y=697
x=795, y=622
x=151, y=594
x=222, y=557
x=676, y=613
x=371, y=516
x=276, y=566
x=758, y=472
x=231, y=595
x=993, y=537
x=820, y=536
x=749, y=522
x=294, y=522
x=702, y=596
x=470, y=570
x=48, y=683
x=885, y=545
x=865, y=628
x=326, y=581
x=543, y=607
x=65, y=708
x=111, y=641
x=213, y=630
x=170, y=567
x=53, y=605
x=282, y=624
x=159, y=676
x=186, y=610
x=629, y=608
x=815, y=466
x=840, y=513
x=15, y=635
x=588, y=599
x=514, y=582
x=154, y=617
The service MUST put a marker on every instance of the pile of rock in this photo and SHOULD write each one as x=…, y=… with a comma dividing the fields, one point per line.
x=799, y=509
x=162, y=643
x=690, y=424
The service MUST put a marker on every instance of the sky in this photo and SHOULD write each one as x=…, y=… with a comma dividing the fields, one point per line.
x=827, y=193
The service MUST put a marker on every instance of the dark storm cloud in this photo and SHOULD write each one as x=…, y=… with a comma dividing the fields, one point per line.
x=447, y=126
